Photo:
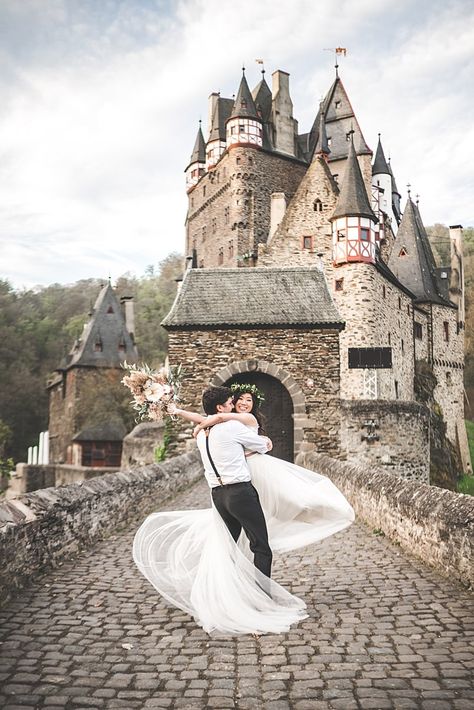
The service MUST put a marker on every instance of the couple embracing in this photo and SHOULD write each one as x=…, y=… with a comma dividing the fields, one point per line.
x=199, y=560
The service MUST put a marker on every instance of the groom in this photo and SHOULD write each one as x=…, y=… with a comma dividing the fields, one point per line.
x=227, y=473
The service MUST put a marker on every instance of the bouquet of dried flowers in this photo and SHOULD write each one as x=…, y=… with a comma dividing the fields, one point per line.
x=153, y=390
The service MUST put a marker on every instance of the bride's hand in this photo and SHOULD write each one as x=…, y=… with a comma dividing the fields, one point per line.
x=172, y=408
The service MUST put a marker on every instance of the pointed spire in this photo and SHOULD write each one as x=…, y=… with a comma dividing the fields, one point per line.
x=262, y=97
x=380, y=165
x=322, y=145
x=199, y=151
x=412, y=260
x=244, y=105
x=353, y=200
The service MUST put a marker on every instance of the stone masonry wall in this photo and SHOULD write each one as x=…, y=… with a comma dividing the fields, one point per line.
x=435, y=525
x=309, y=356
x=229, y=208
x=31, y=477
x=402, y=446
x=41, y=529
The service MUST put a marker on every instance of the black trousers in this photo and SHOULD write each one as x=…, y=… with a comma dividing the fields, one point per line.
x=239, y=506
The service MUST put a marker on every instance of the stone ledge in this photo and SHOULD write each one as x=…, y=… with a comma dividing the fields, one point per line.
x=431, y=523
x=40, y=529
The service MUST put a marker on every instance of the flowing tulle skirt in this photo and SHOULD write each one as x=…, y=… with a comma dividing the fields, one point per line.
x=191, y=559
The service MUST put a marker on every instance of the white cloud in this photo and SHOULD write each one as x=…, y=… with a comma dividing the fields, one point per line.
x=102, y=102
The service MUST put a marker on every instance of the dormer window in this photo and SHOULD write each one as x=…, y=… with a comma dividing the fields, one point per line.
x=318, y=205
x=329, y=141
x=122, y=345
x=348, y=136
x=337, y=104
x=98, y=347
x=243, y=103
x=403, y=251
x=110, y=309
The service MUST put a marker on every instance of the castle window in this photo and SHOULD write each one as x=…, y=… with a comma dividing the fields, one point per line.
x=403, y=346
x=318, y=205
x=192, y=201
x=241, y=128
x=225, y=172
x=418, y=331
x=214, y=225
x=403, y=252
x=238, y=160
x=396, y=389
x=329, y=141
x=446, y=331
x=204, y=191
x=384, y=291
x=226, y=215
x=307, y=242
x=201, y=264
x=220, y=258
x=341, y=235
x=204, y=233
x=337, y=104
x=231, y=249
x=243, y=103
x=348, y=136
x=98, y=347
x=365, y=234
x=389, y=339
x=448, y=378
x=122, y=346
x=399, y=303
x=361, y=358
x=110, y=309
x=336, y=177
x=408, y=308
x=339, y=285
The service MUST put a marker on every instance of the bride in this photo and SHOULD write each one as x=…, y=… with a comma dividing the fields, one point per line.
x=192, y=560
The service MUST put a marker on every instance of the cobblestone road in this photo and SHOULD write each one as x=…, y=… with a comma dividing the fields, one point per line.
x=382, y=633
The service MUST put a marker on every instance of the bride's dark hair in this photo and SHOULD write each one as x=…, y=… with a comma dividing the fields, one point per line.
x=255, y=408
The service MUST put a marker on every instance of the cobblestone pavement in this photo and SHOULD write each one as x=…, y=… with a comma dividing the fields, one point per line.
x=382, y=633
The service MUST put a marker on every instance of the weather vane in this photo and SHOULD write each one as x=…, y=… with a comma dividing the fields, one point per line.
x=338, y=51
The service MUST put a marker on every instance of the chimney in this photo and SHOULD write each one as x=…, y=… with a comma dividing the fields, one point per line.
x=282, y=113
x=128, y=313
x=277, y=211
x=211, y=108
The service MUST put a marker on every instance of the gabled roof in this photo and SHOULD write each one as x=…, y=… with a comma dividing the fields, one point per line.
x=105, y=340
x=244, y=105
x=353, y=200
x=263, y=99
x=199, y=151
x=251, y=297
x=380, y=166
x=411, y=259
x=340, y=120
x=222, y=111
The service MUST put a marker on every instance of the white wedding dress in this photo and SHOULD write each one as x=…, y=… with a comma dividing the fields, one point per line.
x=192, y=560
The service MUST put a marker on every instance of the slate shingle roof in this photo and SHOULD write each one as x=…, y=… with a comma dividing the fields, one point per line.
x=412, y=260
x=353, y=200
x=380, y=166
x=105, y=340
x=199, y=151
x=244, y=105
x=211, y=298
x=222, y=111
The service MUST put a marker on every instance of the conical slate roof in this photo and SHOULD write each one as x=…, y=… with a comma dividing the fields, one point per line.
x=244, y=105
x=199, y=151
x=380, y=166
x=412, y=260
x=262, y=97
x=222, y=111
x=105, y=340
x=353, y=200
x=394, y=184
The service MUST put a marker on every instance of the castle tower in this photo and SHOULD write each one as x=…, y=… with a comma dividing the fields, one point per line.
x=244, y=125
x=85, y=422
x=382, y=192
x=353, y=221
x=197, y=162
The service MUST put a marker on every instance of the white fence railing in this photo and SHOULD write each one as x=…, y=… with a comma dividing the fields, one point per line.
x=40, y=454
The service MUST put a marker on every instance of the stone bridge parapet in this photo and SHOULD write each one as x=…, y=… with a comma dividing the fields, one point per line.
x=48, y=526
x=428, y=522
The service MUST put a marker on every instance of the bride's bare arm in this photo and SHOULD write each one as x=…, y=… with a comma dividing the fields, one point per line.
x=205, y=423
x=189, y=416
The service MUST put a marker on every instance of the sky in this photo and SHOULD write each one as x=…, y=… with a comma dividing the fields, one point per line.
x=100, y=103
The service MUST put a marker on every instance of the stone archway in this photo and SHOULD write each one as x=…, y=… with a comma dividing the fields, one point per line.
x=285, y=418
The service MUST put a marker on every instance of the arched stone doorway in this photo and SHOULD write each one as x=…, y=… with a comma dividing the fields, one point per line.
x=285, y=403
x=277, y=410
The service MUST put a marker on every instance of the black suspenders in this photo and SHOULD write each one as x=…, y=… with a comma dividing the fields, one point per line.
x=210, y=458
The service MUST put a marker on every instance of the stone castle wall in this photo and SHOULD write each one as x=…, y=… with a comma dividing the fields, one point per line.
x=394, y=436
x=41, y=529
x=435, y=525
x=229, y=208
x=309, y=356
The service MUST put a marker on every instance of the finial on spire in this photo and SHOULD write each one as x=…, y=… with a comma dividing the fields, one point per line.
x=110, y=279
x=379, y=134
x=243, y=68
x=409, y=189
x=417, y=200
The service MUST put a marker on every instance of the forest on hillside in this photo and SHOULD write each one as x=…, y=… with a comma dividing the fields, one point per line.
x=39, y=326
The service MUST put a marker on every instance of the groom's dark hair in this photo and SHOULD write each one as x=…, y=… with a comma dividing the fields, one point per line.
x=214, y=396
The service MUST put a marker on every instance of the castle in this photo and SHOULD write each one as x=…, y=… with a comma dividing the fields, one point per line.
x=305, y=277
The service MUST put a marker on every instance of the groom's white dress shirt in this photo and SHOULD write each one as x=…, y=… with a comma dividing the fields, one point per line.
x=225, y=444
